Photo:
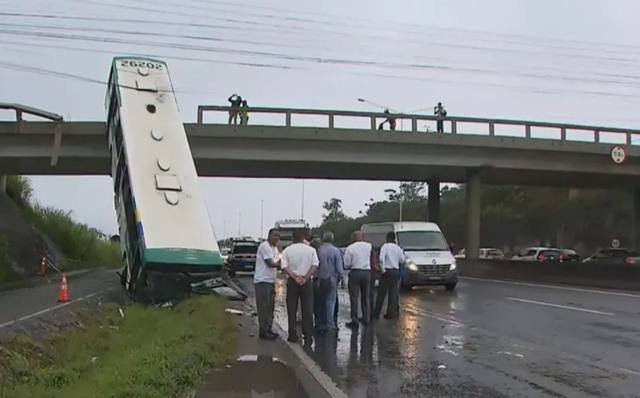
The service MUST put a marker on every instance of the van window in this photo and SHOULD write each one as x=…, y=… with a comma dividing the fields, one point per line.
x=422, y=240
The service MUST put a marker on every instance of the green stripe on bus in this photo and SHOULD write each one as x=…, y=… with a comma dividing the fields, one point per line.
x=183, y=256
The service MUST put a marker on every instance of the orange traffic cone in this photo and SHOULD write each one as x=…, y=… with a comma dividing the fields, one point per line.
x=43, y=265
x=63, y=296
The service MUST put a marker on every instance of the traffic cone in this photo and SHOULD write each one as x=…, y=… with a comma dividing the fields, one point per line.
x=43, y=265
x=63, y=296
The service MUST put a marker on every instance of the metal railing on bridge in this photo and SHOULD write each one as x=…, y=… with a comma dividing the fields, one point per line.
x=455, y=124
x=21, y=110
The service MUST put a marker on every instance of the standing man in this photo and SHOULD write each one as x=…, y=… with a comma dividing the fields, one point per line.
x=330, y=270
x=440, y=113
x=357, y=258
x=235, y=101
x=264, y=277
x=391, y=256
x=300, y=262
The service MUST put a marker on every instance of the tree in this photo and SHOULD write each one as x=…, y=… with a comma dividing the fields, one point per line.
x=412, y=191
x=333, y=207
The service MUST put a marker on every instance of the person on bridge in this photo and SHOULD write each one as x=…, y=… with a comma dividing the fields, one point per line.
x=235, y=101
x=390, y=120
x=300, y=262
x=244, y=113
x=391, y=257
x=330, y=269
x=264, y=278
x=440, y=113
x=357, y=259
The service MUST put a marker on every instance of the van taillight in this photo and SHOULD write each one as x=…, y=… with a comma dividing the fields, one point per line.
x=629, y=260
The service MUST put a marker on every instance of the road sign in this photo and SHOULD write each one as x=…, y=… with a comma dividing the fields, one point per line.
x=615, y=243
x=618, y=154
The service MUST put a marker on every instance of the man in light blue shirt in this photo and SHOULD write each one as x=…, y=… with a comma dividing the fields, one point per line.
x=330, y=271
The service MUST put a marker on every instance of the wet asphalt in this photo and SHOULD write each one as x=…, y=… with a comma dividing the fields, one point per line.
x=489, y=339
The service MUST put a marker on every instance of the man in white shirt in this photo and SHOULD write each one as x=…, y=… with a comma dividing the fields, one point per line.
x=357, y=259
x=391, y=257
x=300, y=262
x=264, y=278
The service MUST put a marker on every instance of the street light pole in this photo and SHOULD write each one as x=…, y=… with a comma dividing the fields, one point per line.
x=261, y=218
x=239, y=223
x=302, y=202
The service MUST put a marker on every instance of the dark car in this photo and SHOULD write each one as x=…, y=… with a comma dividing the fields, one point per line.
x=569, y=255
x=242, y=256
x=550, y=256
x=613, y=256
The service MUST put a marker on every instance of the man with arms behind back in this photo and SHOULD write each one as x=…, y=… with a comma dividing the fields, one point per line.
x=299, y=262
x=357, y=259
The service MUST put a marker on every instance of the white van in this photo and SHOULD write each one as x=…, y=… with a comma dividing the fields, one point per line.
x=429, y=259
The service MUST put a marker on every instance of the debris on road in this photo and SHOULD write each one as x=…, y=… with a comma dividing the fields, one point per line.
x=233, y=311
x=121, y=311
x=441, y=367
x=220, y=286
x=514, y=354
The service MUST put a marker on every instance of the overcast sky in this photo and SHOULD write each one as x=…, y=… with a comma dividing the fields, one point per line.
x=570, y=60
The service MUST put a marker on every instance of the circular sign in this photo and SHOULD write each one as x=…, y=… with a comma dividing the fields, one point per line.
x=618, y=154
x=615, y=243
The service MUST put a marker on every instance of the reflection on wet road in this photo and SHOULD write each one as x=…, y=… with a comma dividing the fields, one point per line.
x=490, y=339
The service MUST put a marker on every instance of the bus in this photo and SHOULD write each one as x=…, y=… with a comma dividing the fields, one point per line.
x=165, y=229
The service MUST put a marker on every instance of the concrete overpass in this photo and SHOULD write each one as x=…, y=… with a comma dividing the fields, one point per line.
x=471, y=151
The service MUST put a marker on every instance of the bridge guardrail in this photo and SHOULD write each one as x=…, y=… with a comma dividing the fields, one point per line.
x=54, y=117
x=631, y=136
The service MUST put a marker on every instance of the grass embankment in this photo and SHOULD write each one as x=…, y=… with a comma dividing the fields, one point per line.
x=6, y=273
x=82, y=246
x=150, y=353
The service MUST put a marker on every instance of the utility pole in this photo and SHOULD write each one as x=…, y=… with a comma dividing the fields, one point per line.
x=401, y=202
x=224, y=229
x=261, y=218
x=302, y=203
x=239, y=223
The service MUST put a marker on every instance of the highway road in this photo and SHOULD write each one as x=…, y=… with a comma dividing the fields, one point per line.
x=486, y=339
x=491, y=339
x=36, y=312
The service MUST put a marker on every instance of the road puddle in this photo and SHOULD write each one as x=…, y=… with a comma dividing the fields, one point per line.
x=253, y=376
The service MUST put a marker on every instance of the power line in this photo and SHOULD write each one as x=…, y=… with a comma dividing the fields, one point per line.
x=54, y=73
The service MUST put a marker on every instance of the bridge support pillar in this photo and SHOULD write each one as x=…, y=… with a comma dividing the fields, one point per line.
x=636, y=219
x=473, y=199
x=3, y=184
x=433, y=201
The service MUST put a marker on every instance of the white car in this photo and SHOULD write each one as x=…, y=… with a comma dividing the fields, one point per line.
x=486, y=253
x=540, y=254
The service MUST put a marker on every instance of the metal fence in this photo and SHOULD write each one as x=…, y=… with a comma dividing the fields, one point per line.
x=452, y=124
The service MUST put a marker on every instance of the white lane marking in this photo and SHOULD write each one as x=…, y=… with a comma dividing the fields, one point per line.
x=633, y=372
x=573, y=289
x=564, y=307
x=55, y=307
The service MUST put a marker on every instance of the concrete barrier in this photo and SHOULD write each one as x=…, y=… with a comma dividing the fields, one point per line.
x=593, y=274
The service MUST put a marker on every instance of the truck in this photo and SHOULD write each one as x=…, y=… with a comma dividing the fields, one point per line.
x=428, y=258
